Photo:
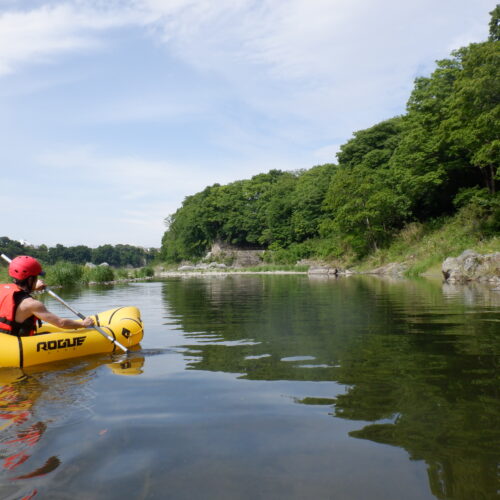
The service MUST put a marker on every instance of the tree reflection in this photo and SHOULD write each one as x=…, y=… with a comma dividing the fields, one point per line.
x=420, y=364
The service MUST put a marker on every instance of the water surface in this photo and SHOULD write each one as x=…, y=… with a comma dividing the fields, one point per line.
x=267, y=387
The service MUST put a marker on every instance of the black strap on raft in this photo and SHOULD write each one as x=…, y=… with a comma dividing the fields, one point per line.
x=6, y=321
x=19, y=329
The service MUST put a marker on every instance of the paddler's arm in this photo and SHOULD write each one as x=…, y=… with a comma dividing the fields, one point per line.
x=31, y=306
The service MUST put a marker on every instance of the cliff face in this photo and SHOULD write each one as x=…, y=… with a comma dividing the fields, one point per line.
x=237, y=256
x=471, y=266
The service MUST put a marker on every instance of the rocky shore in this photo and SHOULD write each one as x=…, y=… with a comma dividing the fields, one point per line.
x=471, y=266
x=468, y=267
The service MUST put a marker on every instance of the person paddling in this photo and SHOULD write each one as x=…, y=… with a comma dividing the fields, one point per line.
x=19, y=311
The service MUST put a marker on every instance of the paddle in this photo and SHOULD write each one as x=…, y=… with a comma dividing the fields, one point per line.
x=79, y=314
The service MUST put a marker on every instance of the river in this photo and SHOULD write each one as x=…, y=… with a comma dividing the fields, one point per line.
x=267, y=387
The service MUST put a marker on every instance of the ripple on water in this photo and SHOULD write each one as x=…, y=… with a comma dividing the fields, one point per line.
x=291, y=359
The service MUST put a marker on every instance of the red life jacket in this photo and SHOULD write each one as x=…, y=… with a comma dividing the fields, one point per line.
x=11, y=296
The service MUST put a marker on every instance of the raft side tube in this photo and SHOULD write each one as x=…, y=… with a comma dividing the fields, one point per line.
x=55, y=344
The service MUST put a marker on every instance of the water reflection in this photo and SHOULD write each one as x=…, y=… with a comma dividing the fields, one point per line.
x=37, y=400
x=473, y=293
x=419, y=360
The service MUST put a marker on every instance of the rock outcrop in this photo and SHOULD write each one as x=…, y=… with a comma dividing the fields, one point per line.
x=323, y=271
x=471, y=266
x=237, y=257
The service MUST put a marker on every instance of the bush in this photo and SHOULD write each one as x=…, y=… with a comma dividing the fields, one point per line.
x=144, y=272
x=480, y=209
x=99, y=274
x=63, y=273
x=123, y=273
x=294, y=253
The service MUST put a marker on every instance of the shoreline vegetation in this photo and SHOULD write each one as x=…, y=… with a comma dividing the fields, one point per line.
x=419, y=250
x=68, y=274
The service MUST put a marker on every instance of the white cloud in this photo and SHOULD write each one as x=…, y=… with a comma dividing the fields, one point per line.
x=293, y=39
x=125, y=177
x=130, y=178
x=348, y=62
x=38, y=35
x=272, y=54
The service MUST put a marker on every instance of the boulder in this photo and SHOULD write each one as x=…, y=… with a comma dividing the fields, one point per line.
x=323, y=270
x=318, y=270
x=471, y=266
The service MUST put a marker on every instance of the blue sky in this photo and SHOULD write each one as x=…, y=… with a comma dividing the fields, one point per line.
x=113, y=111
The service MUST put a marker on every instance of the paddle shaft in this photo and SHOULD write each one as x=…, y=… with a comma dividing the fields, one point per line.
x=79, y=314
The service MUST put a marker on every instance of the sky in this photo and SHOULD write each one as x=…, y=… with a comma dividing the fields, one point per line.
x=113, y=111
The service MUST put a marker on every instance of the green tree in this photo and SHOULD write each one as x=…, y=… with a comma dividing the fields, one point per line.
x=495, y=24
x=278, y=211
x=191, y=228
x=104, y=254
x=472, y=128
x=11, y=248
x=450, y=141
x=41, y=253
x=244, y=213
x=421, y=158
x=367, y=207
x=382, y=137
x=58, y=253
x=307, y=201
x=365, y=199
x=79, y=254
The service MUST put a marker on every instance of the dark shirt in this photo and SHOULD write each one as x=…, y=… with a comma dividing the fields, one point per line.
x=28, y=325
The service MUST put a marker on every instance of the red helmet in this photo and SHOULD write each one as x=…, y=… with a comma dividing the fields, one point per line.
x=23, y=267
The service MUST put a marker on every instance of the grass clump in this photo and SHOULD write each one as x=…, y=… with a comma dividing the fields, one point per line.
x=99, y=274
x=63, y=274
x=144, y=272
x=70, y=274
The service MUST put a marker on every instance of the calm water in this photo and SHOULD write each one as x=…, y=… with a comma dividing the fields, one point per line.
x=267, y=387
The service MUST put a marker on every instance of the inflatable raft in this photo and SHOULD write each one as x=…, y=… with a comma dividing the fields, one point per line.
x=50, y=343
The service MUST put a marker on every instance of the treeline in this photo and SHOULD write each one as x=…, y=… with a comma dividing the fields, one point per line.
x=443, y=154
x=114, y=255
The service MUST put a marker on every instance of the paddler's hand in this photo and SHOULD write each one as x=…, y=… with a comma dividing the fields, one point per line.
x=87, y=322
x=40, y=285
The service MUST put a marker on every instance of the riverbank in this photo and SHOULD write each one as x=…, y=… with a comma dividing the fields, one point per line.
x=420, y=249
x=469, y=266
x=212, y=272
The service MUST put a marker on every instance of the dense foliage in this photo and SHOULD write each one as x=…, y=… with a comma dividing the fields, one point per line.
x=441, y=155
x=117, y=255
